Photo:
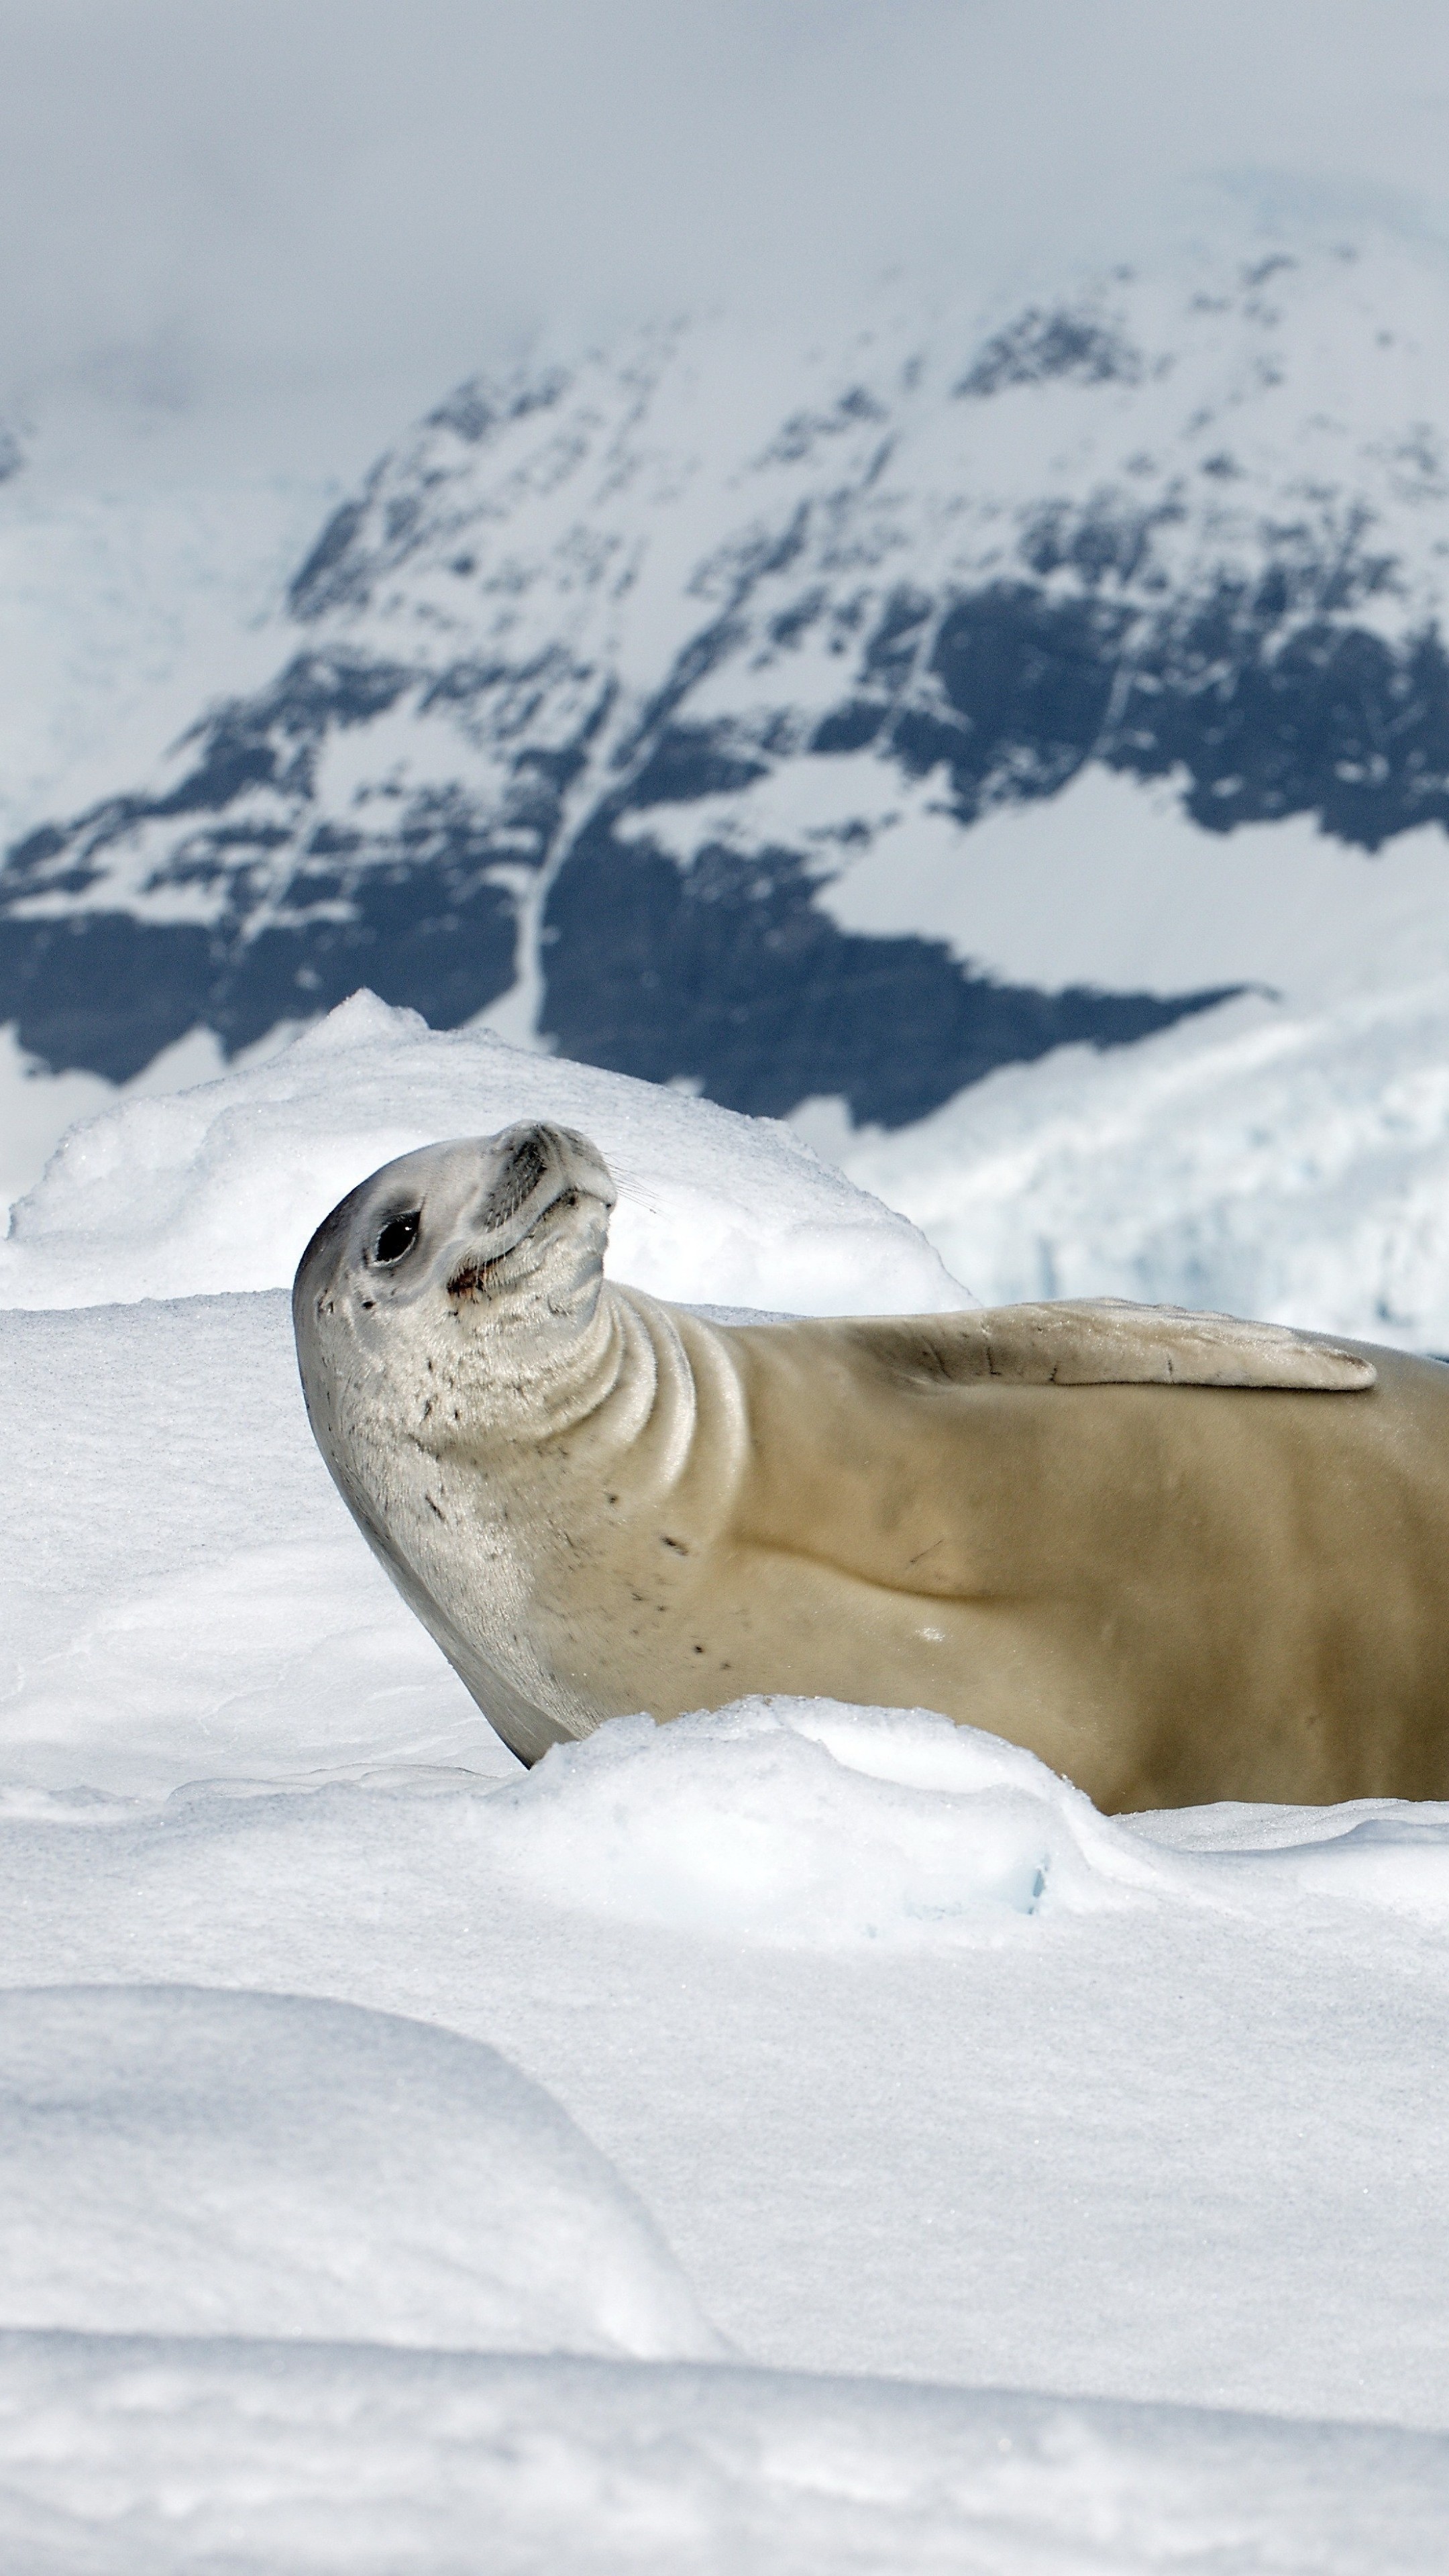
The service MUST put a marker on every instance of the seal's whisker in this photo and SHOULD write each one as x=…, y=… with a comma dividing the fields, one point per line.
x=634, y=1192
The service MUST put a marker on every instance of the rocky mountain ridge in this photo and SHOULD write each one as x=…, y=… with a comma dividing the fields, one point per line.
x=613, y=680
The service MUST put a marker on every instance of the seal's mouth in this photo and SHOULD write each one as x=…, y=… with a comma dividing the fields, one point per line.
x=479, y=1271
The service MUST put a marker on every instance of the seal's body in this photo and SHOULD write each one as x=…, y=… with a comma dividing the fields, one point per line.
x=1179, y=1557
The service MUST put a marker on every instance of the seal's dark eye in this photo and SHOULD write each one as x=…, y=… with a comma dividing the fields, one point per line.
x=397, y=1237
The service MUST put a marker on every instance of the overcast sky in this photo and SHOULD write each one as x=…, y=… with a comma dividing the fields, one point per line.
x=350, y=203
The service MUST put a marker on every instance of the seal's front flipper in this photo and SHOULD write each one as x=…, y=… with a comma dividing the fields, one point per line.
x=1105, y=1341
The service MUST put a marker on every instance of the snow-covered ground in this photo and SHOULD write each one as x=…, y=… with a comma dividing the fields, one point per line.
x=802, y=2137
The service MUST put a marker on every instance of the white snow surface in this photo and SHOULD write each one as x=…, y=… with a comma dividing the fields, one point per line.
x=389, y=2136
x=220, y=1186
x=164, y=2458
x=811, y=1824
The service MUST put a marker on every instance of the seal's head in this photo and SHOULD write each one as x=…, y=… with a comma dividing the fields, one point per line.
x=484, y=1252
x=450, y=1314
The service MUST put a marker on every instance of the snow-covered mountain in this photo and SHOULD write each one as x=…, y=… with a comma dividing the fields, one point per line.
x=683, y=708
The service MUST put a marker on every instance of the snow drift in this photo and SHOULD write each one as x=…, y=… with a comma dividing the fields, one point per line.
x=807, y=1823
x=181, y=2162
x=183, y=1595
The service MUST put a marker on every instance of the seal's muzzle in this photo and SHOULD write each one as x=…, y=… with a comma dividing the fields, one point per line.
x=540, y=1167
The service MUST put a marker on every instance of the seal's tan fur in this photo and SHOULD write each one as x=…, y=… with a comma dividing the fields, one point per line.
x=1179, y=1557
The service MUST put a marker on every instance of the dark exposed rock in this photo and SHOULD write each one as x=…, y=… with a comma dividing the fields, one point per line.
x=106, y=992
x=1040, y=345
x=328, y=576
x=727, y=974
x=690, y=761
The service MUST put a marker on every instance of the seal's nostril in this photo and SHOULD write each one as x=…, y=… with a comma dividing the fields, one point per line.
x=520, y=1177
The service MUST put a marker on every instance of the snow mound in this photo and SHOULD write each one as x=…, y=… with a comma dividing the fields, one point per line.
x=175, y=2161
x=159, y=2459
x=810, y=1824
x=220, y=1187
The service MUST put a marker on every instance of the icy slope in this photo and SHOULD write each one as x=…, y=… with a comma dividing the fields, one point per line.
x=1290, y=1163
x=659, y=700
